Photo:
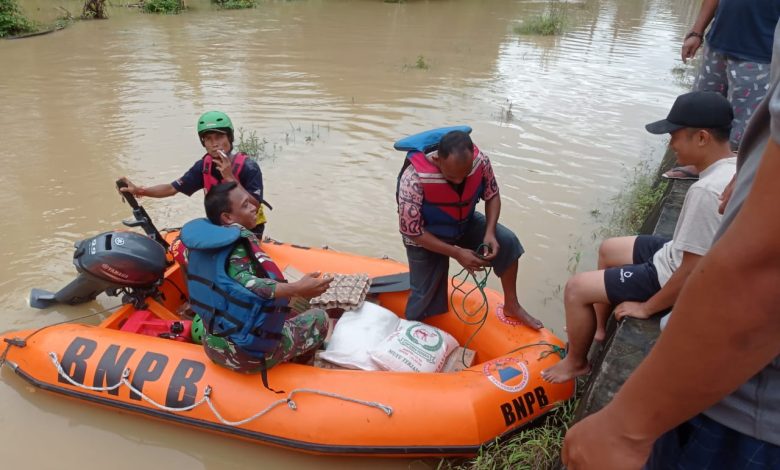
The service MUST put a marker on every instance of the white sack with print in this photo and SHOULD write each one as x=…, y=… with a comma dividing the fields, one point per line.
x=414, y=347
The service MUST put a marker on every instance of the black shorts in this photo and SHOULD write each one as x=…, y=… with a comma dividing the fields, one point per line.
x=639, y=281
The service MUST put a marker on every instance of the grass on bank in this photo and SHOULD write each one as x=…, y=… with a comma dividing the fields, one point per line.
x=13, y=21
x=550, y=23
x=633, y=204
x=536, y=448
x=165, y=7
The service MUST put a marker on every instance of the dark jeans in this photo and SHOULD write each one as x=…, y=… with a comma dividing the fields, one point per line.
x=704, y=444
x=428, y=270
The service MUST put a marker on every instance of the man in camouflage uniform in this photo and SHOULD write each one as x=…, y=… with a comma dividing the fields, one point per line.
x=302, y=333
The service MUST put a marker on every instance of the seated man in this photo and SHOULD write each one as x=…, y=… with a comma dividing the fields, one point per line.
x=437, y=197
x=643, y=274
x=240, y=293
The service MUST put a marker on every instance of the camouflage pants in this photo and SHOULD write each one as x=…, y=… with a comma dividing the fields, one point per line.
x=300, y=335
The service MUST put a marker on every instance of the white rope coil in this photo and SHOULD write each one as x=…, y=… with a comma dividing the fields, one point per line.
x=124, y=380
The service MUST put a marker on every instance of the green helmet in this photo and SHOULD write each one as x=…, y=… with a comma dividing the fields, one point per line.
x=215, y=121
x=197, y=331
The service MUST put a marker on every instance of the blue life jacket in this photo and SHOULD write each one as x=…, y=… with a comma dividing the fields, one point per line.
x=227, y=308
x=446, y=211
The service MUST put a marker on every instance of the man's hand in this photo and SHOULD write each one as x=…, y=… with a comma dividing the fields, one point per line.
x=469, y=260
x=492, y=243
x=225, y=166
x=599, y=442
x=726, y=196
x=689, y=48
x=312, y=285
x=131, y=188
x=632, y=309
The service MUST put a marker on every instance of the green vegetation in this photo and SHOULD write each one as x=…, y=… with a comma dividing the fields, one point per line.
x=550, y=23
x=171, y=7
x=421, y=64
x=535, y=448
x=632, y=206
x=234, y=4
x=249, y=143
x=12, y=21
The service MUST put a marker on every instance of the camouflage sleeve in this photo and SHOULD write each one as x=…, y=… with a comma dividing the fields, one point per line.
x=241, y=269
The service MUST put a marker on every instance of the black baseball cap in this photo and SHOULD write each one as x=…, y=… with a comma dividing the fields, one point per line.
x=697, y=109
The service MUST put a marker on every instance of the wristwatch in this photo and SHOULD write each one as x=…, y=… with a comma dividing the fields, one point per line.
x=692, y=34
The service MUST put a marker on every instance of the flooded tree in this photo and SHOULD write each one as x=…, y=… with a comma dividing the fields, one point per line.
x=94, y=9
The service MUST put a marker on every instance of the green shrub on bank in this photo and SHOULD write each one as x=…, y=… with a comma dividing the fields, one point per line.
x=535, y=448
x=171, y=7
x=12, y=21
x=234, y=4
x=551, y=23
x=632, y=206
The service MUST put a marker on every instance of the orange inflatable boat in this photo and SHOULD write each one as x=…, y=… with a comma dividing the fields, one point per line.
x=327, y=411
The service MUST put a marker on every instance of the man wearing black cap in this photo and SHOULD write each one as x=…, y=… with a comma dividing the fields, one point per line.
x=642, y=275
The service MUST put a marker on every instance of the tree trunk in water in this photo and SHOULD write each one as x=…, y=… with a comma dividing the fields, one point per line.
x=94, y=9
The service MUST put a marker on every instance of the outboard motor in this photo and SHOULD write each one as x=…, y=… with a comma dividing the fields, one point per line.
x=113, y=262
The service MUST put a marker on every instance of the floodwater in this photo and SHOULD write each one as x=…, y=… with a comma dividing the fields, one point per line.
x=327, y=86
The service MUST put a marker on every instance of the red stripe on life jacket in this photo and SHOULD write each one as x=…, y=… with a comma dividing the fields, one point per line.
x=209, y=180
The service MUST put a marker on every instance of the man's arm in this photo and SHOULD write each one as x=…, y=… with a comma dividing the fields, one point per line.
x=724, y=330
x=241, y=269
x=665, y=297
x=160, y=190
x=692, y=43
x=225, y=167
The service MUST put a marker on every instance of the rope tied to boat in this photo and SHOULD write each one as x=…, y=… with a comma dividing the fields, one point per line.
x=22, y=342
x=207, y=393
x=553, y=349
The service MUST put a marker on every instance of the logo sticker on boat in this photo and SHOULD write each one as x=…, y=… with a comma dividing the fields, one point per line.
x=505, y=319
x=510, y=374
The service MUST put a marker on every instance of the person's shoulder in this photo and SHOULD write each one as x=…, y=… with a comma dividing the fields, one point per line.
x=715, y=178
x=251, y=163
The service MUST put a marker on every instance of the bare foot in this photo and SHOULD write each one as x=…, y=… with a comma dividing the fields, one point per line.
x=565, y=370
x=517, y=311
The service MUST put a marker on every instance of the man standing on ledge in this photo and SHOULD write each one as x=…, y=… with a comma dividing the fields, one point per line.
x=438, y=192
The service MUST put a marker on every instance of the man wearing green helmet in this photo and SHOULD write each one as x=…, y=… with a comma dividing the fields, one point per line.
x=220, y=164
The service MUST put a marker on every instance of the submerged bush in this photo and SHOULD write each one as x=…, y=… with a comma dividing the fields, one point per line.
x=163, y=6
x=234, y=4
x=551, y=23
x=12, y=21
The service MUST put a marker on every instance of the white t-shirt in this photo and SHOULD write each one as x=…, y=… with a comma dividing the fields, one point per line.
x=699, y=218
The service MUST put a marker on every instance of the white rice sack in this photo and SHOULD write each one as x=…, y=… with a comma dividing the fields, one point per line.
x=358, y=332
x=414, y=347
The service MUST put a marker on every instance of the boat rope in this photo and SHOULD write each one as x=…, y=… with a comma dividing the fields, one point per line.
x=477, y=316
x=124, y=380
x=22, y=342
x=553, y=349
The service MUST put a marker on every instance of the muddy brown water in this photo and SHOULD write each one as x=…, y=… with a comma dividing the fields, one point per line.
x=327, y=86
